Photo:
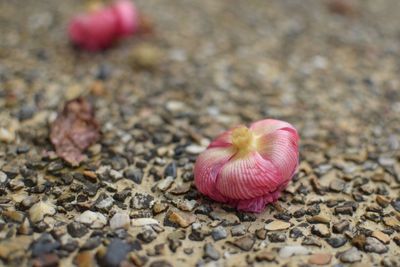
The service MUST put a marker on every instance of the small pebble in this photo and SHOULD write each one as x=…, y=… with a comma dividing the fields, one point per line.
x=350, y=256
x=320, y=230
x=336, y=241
x=277, y=225
x=238, y=230
x=39, y=210
x=76, y=229
x=211, y=252
x=181, y=219
x=245, y=243
x=289, y=251
x=219, y=233
x=115, y=254
x=120, y=220
x=92, y=219
x=320, y=259
x=373, y=245
x=134, y=174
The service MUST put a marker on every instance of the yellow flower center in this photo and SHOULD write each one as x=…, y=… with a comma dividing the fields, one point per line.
x=243, y=139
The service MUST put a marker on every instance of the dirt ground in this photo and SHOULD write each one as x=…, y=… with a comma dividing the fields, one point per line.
x=332, y=70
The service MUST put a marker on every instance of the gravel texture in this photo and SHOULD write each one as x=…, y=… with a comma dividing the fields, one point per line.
x=329, y=68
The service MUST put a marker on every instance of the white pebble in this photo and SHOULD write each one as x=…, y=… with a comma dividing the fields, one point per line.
x=3, y=177
x=120, y=220
x=194, y=149
x=289, y=251
x=38, y=211
x=92, y=219
x=6, y=135
x=144, y=221
x=166, y=183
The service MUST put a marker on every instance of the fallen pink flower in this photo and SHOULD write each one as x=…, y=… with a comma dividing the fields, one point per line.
x=100, y=28
x=249, y=167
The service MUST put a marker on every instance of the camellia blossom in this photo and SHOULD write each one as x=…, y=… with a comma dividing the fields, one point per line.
x=99, y=28
x=249, y=167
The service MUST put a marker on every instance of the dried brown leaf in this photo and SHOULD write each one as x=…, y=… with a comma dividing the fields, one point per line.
x=74, y=130
x=343, y=7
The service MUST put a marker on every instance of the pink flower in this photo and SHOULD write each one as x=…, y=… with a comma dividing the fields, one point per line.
x=99, y=29
x=249, y=167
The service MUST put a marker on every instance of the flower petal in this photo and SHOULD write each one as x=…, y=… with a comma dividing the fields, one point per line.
x=206, y=170
x=248, y=177
x=93, y=31
x=223, y=140
x=258, y=204
x=127, y=17
x=281, y=149
x=268, y=126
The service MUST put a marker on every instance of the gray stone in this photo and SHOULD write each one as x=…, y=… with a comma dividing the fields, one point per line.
x=211, y=252
x=373, y=245
x=219, y=233
x=349, y=256
x=142, y=201
x=336, y=241
x=134, y=174
x=76, y=229
x=238, y=230
x=245, y=243
x=115, y=254
x=147, y=234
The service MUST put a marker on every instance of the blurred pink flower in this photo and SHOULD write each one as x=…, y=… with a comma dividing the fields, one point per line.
x=249, y=167
x=98, y=29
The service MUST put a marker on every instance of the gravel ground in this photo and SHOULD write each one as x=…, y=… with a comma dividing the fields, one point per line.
x=160, y=99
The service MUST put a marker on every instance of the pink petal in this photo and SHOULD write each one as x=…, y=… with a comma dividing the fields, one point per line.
x=93, y=31
x=248, y=177
x=258, y=204
x=268, y=126
x=206, y=170
x=101, y=28
x=127, y=16
x=281, y=149
x=223, y=140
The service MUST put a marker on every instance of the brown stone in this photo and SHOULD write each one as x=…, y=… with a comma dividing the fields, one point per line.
x=245, y=243
x=182, y=219
x=85, y=259
x=341, y=226
x=359, y=241
x=261, y=233
x=384, y=238
x=265, y=255
x=159, y=207
x=91, y=175
x=13, y=215
x=19, y=243
x=392, y=222
x=382, y=201
x=277, y=225
x=46, y=260
x=319, y=219
x=320, y=259
x=137, y=259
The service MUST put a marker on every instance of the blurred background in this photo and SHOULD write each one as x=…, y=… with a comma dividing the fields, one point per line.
x=327, y=66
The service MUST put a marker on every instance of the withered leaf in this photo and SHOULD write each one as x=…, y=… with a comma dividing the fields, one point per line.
x=343, y=7
x=74, y=130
